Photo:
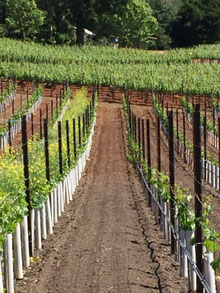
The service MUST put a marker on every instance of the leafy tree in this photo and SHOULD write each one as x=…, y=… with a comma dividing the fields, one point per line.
x=136, y=23
x=56, y=28
x=24, y=19
x=132, y=23
x=165, y=12
x=83, y=15
x=67, y=19
x=86, y=14
x=198, y=22
x=2, y=11
x=2, y=18
x=131, y=20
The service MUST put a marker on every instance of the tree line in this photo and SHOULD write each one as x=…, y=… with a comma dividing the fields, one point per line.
x=160, y=24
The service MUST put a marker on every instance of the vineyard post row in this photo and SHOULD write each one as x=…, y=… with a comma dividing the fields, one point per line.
x=210, y=168
x=40, y=221
x=44, y=125
x=197, y=279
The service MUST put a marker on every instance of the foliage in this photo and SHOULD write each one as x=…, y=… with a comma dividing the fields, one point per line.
x=12, y=192
x=164, y=119
x=186, y=217
x=165, y=13
x=132, y=24
x=7, y=92
x=56, y=29
x=68, y=19
x=187, y=106
x=210, y=126
x=161, y=182
x=182, y=199
x=197, y=23
x=22, y=111
x=23, y=18
x=216, y=104
x=136, y=69
x=12, y=189
x=63, y=22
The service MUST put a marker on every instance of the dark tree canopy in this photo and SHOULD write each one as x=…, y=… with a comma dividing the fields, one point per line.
x=66, y=16
x=133, y=23
x=198, y=22
x=165, y=12
x=86, y=14
x=173, y=22
x=104, y=18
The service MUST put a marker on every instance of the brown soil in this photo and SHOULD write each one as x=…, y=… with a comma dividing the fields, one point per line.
x=115, y=95
x=107, y=240
x=8, y=111
x=205, y=60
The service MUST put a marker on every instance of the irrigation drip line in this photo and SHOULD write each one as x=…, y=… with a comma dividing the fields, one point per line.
x=175, y=234
x=191, y=176
x=50, y=133
x=51, y=140
x=190, y=210
x=207, y=228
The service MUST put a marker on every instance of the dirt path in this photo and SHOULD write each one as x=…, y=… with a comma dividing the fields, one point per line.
x=107, y=240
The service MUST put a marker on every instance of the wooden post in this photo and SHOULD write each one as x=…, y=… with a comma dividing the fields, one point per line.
x=143, y=138
x=68, y=142
x=27, y=93
x=135, y=128
x=47, y=116
x=26, y=176
x=9, y=134
x=177, y=130
x=13, y=106
x=32, y=126
x=21, y=100
x=148, y=144
x=41, y=134
x=46, y=150
x=132, y=124
x=219, y=151
x=158, y=158
x=74, y=138
x=57, y=103
x=172, y=176
x=213, y=113
x=205, y=142
x=148, y=155
x=139, y=138
x=51, y=106
x=158, y=145
x=84, y=125
x=184, y=136
x=60, y=147
x=198, y=192
x=79, y=129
